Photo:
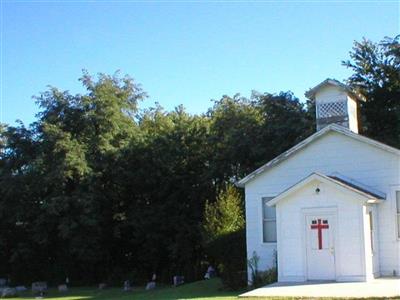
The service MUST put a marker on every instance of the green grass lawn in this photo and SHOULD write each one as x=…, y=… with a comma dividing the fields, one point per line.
x=200, y=290
x=210, y=289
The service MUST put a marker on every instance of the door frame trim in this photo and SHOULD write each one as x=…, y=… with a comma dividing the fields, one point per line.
x=311, y=211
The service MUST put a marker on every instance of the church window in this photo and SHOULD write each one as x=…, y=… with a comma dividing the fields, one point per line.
x=269, y=221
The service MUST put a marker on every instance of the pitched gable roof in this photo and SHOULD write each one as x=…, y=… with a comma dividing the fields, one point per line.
x=333, y=82
x=359, y=192
x=361, y=188
x=331, y=128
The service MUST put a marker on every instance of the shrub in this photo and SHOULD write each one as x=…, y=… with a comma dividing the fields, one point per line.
x=229, y=252
x=224, y=215
x=261, y=278
x=269, y=276
x=224, y=236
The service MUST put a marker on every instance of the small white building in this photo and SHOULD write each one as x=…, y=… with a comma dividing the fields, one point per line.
x=328, y=208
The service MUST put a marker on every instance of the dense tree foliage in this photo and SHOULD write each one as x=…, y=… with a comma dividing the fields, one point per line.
x=245, y=133
x=376, y=75
x=98, y=189
x=57, y=190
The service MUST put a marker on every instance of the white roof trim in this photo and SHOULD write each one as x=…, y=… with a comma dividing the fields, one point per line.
x=359, y=194
x=310, y=139
x=359, y=184
x=333, y=82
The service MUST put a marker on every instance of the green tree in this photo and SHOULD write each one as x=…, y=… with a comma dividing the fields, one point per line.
x=376, y=75
x=166, y=180
x=234, y=138
x=224, y=238
x=57, y=194
x=224, y=215
x=246, y=133
x=285, y=122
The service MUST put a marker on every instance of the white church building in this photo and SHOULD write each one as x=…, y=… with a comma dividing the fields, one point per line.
x=328, y=208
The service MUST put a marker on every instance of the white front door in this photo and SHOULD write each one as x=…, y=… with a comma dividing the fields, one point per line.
x=320, y=246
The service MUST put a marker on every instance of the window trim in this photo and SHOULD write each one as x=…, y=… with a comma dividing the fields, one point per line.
x=264, y=200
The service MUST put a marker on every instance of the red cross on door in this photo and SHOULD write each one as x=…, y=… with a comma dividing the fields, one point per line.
x=319, y=226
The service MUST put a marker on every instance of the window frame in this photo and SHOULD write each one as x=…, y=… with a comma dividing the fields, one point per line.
x=264, y=200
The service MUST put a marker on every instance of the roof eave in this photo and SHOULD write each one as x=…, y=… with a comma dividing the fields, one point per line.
x=332, y=127
x=317, y=176
x=310, y=94
x=242, y=182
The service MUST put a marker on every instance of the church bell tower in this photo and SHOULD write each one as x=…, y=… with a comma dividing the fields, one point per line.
x=335, y=103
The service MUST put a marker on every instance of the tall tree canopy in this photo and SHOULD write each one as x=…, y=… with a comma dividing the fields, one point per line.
x=376, y=75
x=97, y=189
x=55, y=180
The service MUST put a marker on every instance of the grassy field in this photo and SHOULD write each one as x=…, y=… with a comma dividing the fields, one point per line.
x=205, y=290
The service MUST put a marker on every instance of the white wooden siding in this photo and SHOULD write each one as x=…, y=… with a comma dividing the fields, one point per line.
x=349, y=232
x=334, y=152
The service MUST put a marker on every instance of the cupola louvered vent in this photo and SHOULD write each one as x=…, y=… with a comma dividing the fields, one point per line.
x=332, y=109
x=335, y=103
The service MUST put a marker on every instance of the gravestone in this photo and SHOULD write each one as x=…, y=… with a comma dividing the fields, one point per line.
x=127, y=286
x=62, y=288
x=9, y=292
x=178, y=280
x=21, y=288
x=3, y=282
x=210, y=272
x=151, y=285
x=102, y=286
x=39, y=287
